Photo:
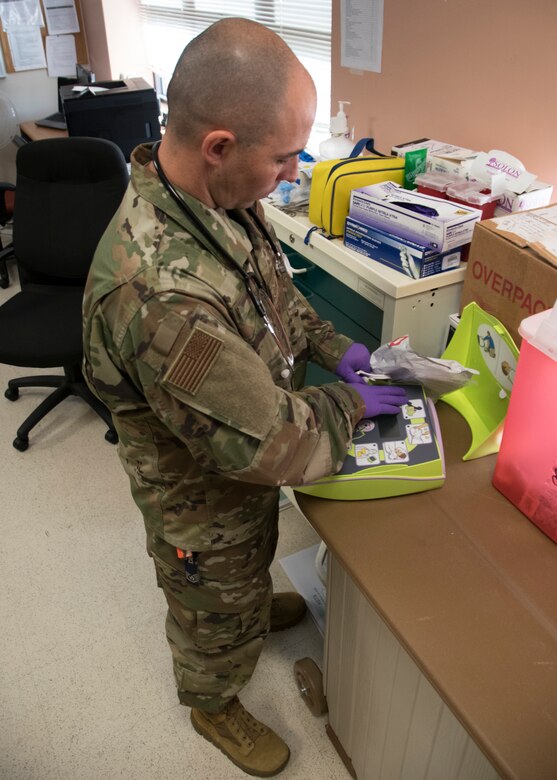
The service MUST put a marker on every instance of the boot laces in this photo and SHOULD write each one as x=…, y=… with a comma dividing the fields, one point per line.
x=243, y=725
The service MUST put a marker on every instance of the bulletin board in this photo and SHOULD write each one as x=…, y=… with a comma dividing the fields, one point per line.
x=80, y=42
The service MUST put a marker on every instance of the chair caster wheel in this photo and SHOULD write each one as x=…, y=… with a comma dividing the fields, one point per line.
x=4, y=283
x=12, y=394
x=309, y=680
x=20, y=443
x=111, y=436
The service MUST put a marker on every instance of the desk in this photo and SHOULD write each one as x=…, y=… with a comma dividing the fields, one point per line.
x=441, y=640
x=419, y=307
x=30, y=131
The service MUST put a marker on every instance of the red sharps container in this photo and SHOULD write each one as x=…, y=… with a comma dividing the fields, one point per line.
x=526, y=468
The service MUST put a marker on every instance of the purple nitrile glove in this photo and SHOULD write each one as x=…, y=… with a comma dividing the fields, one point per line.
x=356, y=358
x=381, y=399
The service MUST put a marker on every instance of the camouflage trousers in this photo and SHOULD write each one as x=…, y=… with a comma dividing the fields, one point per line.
x=216, y=629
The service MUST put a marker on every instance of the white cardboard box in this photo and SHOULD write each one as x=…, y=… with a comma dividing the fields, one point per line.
x=536, y=196
x=441, y=157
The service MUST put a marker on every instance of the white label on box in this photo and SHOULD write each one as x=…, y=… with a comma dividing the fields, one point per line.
x=549, y=243
x=451, y=260
x=550, y=214
x=531, y=227
x=458, y=235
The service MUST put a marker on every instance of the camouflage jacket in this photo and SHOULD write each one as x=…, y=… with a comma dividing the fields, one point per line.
x=209, y=424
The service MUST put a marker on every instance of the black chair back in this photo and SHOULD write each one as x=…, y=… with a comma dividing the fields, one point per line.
x=56, y=229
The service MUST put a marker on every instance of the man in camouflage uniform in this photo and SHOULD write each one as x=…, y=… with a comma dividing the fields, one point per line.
x=205, y=379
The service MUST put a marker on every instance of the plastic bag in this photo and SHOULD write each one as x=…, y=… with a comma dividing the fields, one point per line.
x=404, y=366
x=291, y=195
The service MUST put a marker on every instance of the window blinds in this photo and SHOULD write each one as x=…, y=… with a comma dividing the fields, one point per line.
x=169, y=25
x=306, y=27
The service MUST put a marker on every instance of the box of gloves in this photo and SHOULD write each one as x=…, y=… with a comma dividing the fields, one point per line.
x=435, y=223
x=414, y=260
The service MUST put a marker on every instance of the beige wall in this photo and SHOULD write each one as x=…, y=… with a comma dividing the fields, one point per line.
x=95, y=35
x=477, y=73
x=114, y=39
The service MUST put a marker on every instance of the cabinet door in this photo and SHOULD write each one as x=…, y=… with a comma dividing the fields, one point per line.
x=350, y=313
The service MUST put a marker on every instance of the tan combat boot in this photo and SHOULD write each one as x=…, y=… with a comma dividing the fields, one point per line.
x=247, y=742
x=287, y=609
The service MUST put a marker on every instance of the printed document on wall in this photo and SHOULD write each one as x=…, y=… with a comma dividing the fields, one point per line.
x=26, y=47
x=361, y=34
x=61, y=17
x=15, y=13
x=61, y=55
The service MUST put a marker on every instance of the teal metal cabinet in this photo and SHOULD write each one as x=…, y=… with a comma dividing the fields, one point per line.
x=352, y=315
x=381, y=301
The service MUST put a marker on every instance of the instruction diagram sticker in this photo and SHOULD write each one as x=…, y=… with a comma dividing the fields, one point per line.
x=367, y=454
x=418, y=433
x=395, y=452
x=497, y=356
x=414, y=408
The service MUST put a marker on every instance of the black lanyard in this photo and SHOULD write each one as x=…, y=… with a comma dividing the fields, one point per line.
x=254, y=286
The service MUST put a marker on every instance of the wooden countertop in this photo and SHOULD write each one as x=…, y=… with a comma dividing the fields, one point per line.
x=33, y=132
x=469, y=587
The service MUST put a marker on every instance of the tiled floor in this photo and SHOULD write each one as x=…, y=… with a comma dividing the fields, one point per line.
x=86, y=683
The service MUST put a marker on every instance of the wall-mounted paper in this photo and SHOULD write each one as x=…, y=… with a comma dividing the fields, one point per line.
x=26, y=47
x=17, y=12
x=61, y=56
x=361, y=34
x=61, y=17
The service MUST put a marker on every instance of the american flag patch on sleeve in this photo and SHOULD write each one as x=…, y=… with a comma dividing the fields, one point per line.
x=194, y=362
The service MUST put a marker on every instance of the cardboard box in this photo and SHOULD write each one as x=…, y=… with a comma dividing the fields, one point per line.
x=536, y=195
x=512, y=267
x=413, y=260
x=506, y=177
x=433, y=222
x=436, y=148
x=441, y=157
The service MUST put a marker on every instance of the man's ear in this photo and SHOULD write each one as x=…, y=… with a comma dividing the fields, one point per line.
x=217, y=145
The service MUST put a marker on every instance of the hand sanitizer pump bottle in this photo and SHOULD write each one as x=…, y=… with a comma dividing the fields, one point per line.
x=526, y=468
x=339, y=144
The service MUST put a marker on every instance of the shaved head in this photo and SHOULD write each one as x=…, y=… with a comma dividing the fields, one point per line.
x=234, y=75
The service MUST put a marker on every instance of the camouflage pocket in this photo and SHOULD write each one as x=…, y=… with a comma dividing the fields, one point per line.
x=216, y=630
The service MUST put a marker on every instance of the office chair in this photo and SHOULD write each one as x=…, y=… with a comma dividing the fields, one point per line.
x=67, y=191
x=7, y=200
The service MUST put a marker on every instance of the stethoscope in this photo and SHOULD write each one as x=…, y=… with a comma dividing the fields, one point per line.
x=255, y=289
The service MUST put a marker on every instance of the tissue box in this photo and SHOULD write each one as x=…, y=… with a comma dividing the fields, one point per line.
x=409, y=258
x=432, y=222
x=512, y=267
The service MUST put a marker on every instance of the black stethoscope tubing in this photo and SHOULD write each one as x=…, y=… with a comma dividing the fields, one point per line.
x=250, y=279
